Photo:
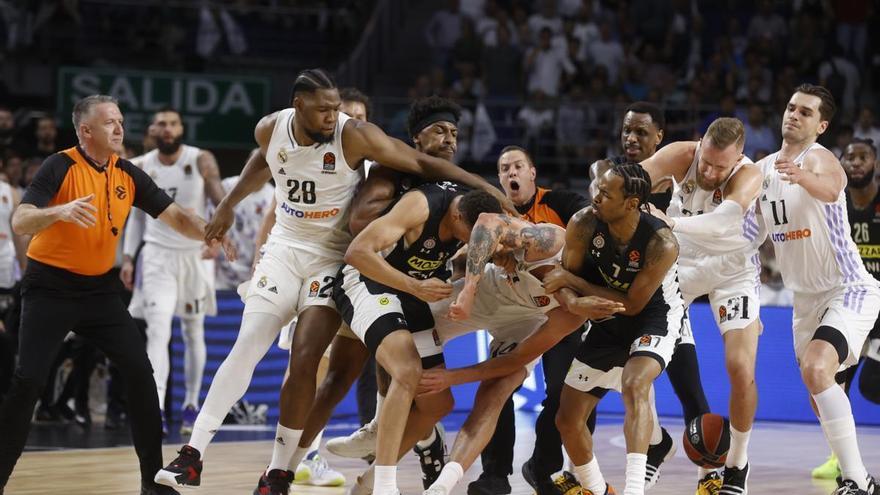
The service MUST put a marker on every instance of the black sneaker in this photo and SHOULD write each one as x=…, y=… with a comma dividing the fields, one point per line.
x=488, y=484
x=274, y=482
x=565, y=483
x=154, y=489
x=433, y=457
x=849, y=487
x=541, y=487
x=657, y=455
x=735, y=481
x=186, y=470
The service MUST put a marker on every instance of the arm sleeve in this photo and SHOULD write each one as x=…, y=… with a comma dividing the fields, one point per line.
x=565, y=203
x=724, y=220
x=147, y=195
x=48, y=180
x=134, y=232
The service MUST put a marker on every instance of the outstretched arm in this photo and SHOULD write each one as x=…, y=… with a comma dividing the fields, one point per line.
x=365, y=140
x=821, y=174
x=373, y=198
x=559, y=324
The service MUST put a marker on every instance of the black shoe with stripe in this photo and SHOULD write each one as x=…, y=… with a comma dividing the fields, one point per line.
x=850, y=487
x=433, y=457
x=657, y=455
x=735, y=481
x=186, y=470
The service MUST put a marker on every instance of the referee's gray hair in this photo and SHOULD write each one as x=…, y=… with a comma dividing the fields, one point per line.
x=84, y=106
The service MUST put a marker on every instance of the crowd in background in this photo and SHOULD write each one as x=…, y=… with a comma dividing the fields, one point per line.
x=550, y=75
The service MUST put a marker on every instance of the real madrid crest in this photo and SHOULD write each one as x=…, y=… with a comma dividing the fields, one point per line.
x=282, y=155
x=689, y=186
x=766, y=182
x=262, y=282
x=599, y=241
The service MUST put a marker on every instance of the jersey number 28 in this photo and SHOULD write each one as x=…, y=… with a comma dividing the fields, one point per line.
x=308, y=191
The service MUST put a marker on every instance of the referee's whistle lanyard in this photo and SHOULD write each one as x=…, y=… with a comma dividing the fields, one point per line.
x=107, y=180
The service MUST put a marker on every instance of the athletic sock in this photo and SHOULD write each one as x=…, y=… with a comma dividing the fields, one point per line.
x=450, y=476
x=635, y=474
x=590, y=476
x=385, y=481
x=738, y=455
x=286, y=443
x=835, y=414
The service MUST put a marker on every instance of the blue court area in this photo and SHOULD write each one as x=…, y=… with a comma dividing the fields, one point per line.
x=782, y=396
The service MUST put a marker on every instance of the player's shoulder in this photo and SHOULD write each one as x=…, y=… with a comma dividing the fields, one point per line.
x=584, y=219
x=819, y=154
x=662, y=240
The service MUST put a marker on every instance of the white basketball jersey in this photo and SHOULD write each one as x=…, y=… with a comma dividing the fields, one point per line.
x=814, y=250
x=313, y=188
x=523, y=288
x=689, y=199
x=186, y=186
x=7, y=248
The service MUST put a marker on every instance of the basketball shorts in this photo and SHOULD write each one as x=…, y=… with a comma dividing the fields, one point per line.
x=609, y=344
x=373, y=311
x=731, y=281
x=507, y=324
x=852, y=310
x=287, y=280
x=174, y=278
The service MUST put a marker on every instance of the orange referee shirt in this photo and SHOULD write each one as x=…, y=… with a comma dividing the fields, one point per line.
x=556, y=207
x=70, y=174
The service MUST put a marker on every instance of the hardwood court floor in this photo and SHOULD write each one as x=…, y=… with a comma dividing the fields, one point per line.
x=782, y=456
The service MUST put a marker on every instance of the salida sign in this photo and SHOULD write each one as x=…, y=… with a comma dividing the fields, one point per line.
x=218, y=111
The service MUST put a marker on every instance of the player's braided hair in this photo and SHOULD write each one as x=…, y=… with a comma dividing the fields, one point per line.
x=310, y=80
x=636, y=181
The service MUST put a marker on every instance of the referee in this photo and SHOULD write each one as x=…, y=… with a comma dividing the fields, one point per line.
x=75, y=209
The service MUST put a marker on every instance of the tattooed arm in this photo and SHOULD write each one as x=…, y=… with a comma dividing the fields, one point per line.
x=493, y=234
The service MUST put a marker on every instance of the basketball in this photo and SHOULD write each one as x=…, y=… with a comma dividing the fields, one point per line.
x=707, y=439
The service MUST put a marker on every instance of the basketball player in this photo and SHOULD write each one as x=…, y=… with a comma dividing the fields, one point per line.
x=384, y=301
x=859, y=161
x=313, y=469
x=641, y=133
x=510, y=306
x=175, y=279
x=619, y=251
x=13, y=259
x=517, y=174
x=836, y=301
x=433, y=128
x=713, y=217
x=313, y=154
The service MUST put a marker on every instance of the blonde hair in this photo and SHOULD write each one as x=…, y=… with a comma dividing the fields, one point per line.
x=725, y=131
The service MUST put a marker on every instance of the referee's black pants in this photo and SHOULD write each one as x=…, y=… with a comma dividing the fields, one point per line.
x=47, y=316
x=497, y=457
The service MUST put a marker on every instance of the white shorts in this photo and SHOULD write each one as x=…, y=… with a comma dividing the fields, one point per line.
x=732, y=283
x=373, y=311
x=287, y=280
x=852, y=310
x=174, y=278
x=508, y=324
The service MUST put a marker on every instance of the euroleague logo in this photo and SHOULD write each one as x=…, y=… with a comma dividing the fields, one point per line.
x=329, y=163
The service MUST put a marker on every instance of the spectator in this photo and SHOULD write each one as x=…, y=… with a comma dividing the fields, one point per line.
x=852, y=28
x=760, y=138
x=545, y=66
x=7, y=130
x=767, y=23
x=607, y=52
x=840, y=76
x=502, y=66
x=865, y=128
x=545, y=18
x=45, y=137
x=467, y=50
x=572, y=123
x=537, y=120
x=585, y=30
x=443, y=30
x=13, y=167
x=842, y=139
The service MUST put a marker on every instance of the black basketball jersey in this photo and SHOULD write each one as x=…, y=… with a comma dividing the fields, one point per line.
x=427, y=256
x=659, y=199
x=865, y=230
x=615, y=268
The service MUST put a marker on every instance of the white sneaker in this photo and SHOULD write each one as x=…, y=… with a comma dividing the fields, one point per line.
x=361, y=443
x=317, y=472
x=435, y=490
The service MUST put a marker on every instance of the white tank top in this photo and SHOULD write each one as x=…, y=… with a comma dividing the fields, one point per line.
x=689, y=199
x=814, y=250
x=313, y=188
x=186, y=186
x=7, y=248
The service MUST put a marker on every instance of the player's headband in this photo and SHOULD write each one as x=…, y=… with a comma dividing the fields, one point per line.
x=433, y=119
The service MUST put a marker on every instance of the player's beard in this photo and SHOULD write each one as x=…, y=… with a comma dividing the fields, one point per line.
x=861, y=182
x=318, y=137
x=169, y=147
